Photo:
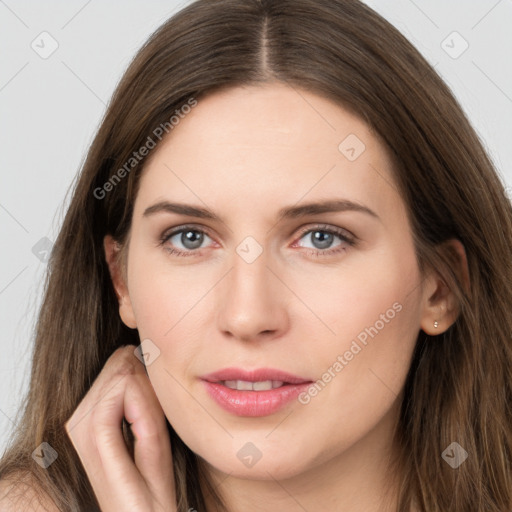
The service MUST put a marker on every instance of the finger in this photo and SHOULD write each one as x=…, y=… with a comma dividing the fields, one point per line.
x=95, y=431
x=152, y=448
x=119, y=481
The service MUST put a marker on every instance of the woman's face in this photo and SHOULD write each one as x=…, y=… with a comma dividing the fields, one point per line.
x=332, y=296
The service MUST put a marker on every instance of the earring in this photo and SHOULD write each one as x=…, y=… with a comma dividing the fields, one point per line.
x=435, y=324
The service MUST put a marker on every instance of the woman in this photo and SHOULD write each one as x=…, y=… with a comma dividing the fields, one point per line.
x=255, y=365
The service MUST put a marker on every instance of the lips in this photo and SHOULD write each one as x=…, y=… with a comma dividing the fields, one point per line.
x=259, y=392
x=258, y=375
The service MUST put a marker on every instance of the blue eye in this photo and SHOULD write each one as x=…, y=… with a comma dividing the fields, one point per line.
x=190, y=238
x=322, y=237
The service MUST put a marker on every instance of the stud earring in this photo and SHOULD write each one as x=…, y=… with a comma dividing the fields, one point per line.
x=435, y=324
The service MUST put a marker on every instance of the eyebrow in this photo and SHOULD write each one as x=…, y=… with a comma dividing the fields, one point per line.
x=289, y=212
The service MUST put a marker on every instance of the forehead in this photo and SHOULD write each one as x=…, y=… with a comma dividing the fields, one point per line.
x=270, y=115
x=270, y=143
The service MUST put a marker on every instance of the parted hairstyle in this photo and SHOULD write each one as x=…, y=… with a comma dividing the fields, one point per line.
x=459, y=385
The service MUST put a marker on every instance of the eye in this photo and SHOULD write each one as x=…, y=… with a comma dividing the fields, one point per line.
x=184, y=241
x=323, y=240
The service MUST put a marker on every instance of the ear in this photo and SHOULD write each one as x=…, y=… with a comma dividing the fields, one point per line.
x=118, y=276
x=440, y=304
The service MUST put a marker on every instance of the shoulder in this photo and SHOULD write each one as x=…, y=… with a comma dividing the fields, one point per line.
x=21, y=493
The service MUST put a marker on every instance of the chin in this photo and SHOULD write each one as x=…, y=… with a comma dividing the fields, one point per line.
x=263, y=470
x=259, y=460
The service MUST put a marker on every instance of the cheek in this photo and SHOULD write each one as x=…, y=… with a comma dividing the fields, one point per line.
x=169, y=304
x=359, y=295
x=174, y=377
x=374, y=312
x=165, y=295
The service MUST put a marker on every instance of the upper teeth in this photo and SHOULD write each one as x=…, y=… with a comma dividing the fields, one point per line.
x=243, y=385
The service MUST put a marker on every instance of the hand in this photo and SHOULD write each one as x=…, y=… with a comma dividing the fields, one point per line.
x=145, y=483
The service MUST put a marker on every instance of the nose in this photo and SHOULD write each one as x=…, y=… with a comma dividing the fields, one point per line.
x=252, y=301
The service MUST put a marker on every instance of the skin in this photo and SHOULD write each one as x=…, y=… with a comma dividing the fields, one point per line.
x=245, y=153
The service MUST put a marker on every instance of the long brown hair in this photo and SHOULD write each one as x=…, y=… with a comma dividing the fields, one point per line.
x=459, y=387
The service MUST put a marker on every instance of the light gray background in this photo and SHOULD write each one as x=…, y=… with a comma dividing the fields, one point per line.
x=50, y=108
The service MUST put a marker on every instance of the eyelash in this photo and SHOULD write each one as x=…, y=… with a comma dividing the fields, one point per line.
x=350, y=240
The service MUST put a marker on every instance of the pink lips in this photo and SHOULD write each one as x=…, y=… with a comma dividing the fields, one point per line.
x=251, y=402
